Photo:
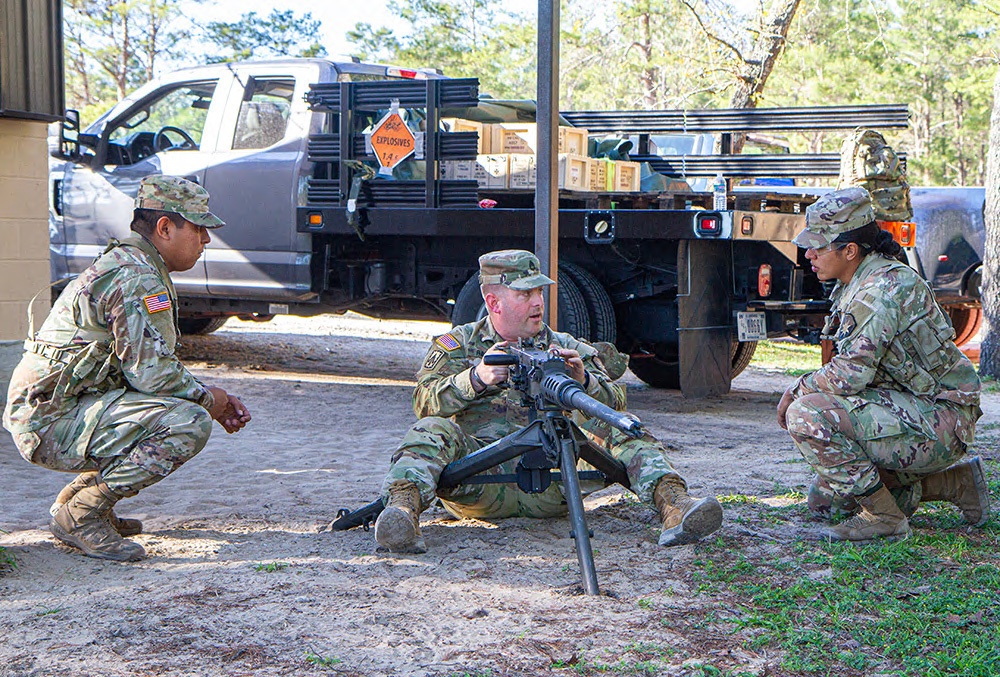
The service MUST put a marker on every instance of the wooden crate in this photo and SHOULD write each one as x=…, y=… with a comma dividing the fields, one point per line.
x=573, y=140
x=522, y=171
x=574, y=172
x=627, y=177
x=598, y=175
x=520, y=138
x=484, y=131
x=492, y=171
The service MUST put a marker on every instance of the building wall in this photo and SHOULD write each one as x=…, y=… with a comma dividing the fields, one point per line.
x=24, y=234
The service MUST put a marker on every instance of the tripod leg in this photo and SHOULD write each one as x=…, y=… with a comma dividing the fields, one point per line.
x=574, y=502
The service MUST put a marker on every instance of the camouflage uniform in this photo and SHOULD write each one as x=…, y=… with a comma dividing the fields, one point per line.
x=898, y=396
x=99, y=386
x=456, y=421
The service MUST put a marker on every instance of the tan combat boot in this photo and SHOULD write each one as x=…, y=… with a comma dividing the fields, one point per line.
x=123, y=525
x=964, y=485
x=880, y=517
x=685, y=519
x=398, y=526
x=82, y=522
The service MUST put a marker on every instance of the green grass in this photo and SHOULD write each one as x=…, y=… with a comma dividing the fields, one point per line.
x=787, y=357
x=322, y=661
x=7, y=561
x=270, y=567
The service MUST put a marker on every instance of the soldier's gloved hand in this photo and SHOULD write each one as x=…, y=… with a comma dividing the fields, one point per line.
x=491, y=376
x=574, y=363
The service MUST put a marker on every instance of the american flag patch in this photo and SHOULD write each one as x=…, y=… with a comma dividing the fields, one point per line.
x=157, y=302
x=447, y=341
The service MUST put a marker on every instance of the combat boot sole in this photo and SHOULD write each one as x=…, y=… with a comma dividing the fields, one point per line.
x=395, y=531
x=703, y=518
x=128, y=551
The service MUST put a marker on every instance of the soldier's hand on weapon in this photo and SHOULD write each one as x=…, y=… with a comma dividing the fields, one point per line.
x=491, y=376
x=574, y=363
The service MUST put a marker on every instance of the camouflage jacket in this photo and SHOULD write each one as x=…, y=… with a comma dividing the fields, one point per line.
x=113, y=328
x=444, y=387
x=890, y=334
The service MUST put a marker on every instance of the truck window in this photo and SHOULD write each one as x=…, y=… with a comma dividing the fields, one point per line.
x=173, y=121
x=264, y=113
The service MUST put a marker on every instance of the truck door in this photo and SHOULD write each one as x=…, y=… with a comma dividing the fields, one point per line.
x=171, y=131
x=255, y=182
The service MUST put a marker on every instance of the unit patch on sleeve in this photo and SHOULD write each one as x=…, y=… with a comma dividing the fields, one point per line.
x=448, y=342
x=432, y=359
x=156, y=303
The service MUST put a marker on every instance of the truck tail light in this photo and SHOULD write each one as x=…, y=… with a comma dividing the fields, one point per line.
x=903, y=232
x=764, y=281
x=746, y=225
x=708, y=225
x=392, y=71
x=315, y=220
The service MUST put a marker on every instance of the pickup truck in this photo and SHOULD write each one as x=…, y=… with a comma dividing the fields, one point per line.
x=685, y=288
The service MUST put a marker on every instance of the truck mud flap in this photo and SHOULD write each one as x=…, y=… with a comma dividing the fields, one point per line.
x=705, y=335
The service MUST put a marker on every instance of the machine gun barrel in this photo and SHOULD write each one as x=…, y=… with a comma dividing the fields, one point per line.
x=564, y=390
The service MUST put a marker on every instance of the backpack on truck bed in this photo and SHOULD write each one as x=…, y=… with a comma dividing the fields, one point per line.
x=866, y=160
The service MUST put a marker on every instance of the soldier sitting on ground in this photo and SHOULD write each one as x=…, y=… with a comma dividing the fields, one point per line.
x=463, y=408
x=99, y=391
x=889, y=420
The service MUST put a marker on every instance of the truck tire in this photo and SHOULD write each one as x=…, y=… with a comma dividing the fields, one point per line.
x=966, y=322
x=573, y=318
x=200, y=325
x=600, y=309
x=661, y=368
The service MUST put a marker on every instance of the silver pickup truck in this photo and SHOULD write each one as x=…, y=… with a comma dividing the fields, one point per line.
x=240, y=130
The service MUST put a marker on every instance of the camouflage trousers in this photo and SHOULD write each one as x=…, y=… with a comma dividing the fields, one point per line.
x=139, y=440
x=434, y=442
x=841, y=438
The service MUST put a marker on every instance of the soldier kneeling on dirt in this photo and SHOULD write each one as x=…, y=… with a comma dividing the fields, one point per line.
x=99, y=391
x=463, y=408
x=888, y=421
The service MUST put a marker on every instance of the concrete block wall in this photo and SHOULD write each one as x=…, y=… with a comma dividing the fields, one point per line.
x=24, y=235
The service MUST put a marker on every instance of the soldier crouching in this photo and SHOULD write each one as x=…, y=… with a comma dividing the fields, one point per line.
x=464, y=407
x=99, y=391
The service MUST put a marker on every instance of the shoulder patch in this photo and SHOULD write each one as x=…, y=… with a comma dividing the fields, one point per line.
x=157, y=303
x=448, y=342
x=433, y=358
x=847, y=326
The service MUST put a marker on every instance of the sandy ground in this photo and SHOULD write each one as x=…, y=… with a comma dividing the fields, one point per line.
x=242, y=578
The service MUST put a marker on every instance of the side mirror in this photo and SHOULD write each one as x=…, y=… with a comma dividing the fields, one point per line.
x=68, y=146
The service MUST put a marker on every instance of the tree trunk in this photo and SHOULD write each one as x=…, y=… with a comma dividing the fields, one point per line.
x=989, y=358
x=756, y=68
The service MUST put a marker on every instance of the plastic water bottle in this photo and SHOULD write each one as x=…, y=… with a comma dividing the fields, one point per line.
x=719, y=193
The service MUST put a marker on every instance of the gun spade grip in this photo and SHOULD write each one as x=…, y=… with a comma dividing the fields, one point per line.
x=499, y=360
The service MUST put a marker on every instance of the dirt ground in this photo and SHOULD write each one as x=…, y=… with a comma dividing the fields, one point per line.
x=242, y=578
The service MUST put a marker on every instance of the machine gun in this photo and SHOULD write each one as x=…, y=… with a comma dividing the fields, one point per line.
x=550, y=441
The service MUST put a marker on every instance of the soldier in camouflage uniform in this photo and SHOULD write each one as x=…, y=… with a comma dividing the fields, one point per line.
x=888, y=421
x=464, y=407
x=99, y=391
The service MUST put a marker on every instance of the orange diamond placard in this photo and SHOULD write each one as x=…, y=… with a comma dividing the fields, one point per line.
x=392, y=141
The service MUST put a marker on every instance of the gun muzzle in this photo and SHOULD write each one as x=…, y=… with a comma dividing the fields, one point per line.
x=571, y=395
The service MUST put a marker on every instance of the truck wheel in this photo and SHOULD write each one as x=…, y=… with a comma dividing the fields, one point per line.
x=201, y=325
x=966, y=322
x=661, y=368
x=573, y=318
x=600, y=309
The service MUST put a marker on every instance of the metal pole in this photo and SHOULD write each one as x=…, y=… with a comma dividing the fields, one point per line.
x=546, y=185
x=578, y=522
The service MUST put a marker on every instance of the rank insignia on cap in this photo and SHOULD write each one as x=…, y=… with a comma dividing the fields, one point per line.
x=447, y=341
x=156, y=303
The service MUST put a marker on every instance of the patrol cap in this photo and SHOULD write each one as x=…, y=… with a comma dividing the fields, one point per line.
x=837, y=212
x=514, y=268
x=177, y=195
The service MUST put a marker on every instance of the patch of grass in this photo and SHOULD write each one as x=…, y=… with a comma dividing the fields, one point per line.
x=479, y=673
x=926, y=606
x=270, y=567
x=7, y=561
x=322, y=661
x=787, y=357
x=49, y=612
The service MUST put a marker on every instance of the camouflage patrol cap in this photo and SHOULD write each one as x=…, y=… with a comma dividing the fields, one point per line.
x=177, y=195
x=834, y=213
x=514, y=268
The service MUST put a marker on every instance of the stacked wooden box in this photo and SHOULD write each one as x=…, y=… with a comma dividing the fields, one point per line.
x=507, y=160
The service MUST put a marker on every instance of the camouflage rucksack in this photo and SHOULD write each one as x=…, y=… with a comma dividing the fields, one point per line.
x=867, y=161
